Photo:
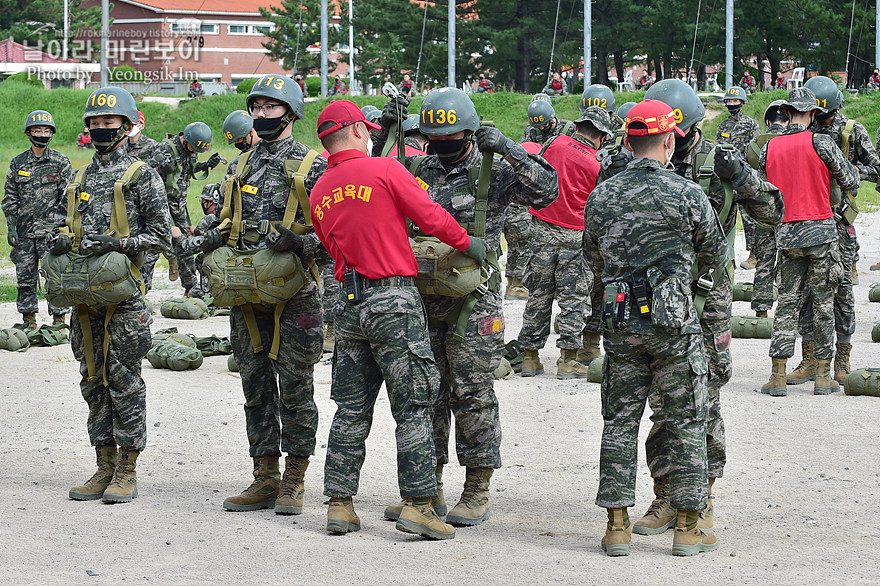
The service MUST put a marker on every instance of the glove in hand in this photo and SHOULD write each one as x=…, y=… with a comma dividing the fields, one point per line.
x=491, y=139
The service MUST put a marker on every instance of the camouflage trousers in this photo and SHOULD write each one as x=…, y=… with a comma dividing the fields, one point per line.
x=749, y=229
x=556, y=268
x=517, y=223
x=844, y=299
x=383, y=338
x=329, y=290
x=279, y=394
x=186, y=265
x=26, y=255
x=764, y=249
x=118, y=411
x=673, y=367
x=150, y=259
x=593, y=318
x=716, y=324
x=467, y=380
x=818, y=269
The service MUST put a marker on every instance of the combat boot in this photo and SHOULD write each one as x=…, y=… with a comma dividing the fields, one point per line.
x=660, y=515
x=567, y=367
x=750, y=263
x=841, y=362
x=329, y=337
x=30, y=321
x=515, y=289
x=760, y=313
x=473, y=508
x=124, y=487
x=262, y=492
x=392, y=512
x=689, y=539
x=775, y=387
x=855, y=274
x=58, y=320
x=618, y=533
x=290, y=498
x=824, y=385
x=419, y=518
x=341, y=517
x=531, y=365
x=173, y=271
x=591, y=350
x=100, y=480
x=806, y=370
x=707, y=515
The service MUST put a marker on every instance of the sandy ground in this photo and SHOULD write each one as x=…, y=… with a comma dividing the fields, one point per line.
x=798, y=503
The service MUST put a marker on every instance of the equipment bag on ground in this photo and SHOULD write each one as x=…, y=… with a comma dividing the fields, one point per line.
x=173, y=355
x=47, y=335
x=189, y=308
x=14, y=340
x=752, y=327
x=594, y=371
x=864, y=381
x=874, y=293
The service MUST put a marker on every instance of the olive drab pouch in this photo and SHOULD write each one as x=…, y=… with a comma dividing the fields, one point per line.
x=616, y=306
x=874, y=293
x=864, y=381
x=213, y=345
x=14, y=340
x=444, y=270
x=73, y=279
x=875, y=332
x=191, y=308
x=752, y=327
x=595, y=370
x=173, y=355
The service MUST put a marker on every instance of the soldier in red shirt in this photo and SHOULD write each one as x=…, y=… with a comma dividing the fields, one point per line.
x=359, y=209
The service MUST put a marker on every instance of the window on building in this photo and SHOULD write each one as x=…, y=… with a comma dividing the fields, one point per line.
x=250, y=29
x=210, y=29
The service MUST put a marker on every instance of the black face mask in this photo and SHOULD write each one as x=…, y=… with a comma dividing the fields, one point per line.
x=40, y=142
x=826, y=116
x=683, y=143
x=271, y=128
x=106, y=139
x=243, y=145
x=450, y=150
x=734, y=110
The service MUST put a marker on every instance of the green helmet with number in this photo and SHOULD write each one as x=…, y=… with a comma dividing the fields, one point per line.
x=598, y=95
x=411, y=123
x=683, y=100
x=237, y=126
x=39, y=118
x=111, y=101
x=198, y=136
x=281, y=88
x=736, y=93
x=446, y=111
x=541, y=96
x=827, y=92
x=371, y=113
x=624, y=109
x=772, y=108
x=541, y=113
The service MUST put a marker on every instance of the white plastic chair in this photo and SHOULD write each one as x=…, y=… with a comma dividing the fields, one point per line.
x=796, y=80
x=627, y=83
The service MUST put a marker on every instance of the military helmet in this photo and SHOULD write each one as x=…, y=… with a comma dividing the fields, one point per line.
x=541, y=96
x=198, y=136
x=371, y=113
x=840, y=99
x=411, y=123
x=281, y=88
x=736, y=93
x=237, y=126
x=39, y=118
x=624, y=109
x=111, y=101
x=679, y=96
x=541, y=113
x=446, y=111
x=598, y=95
x=827, y=92
x=772, y=108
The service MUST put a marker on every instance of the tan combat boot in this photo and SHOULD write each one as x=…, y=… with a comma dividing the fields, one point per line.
x=660, y=515
x=775, y=387
x=806, y=370
x=173, y=271
x=618, y=533
x=707, y=515
x=418, y=517
x=531, y=365
x=515, y=289
x=760, y=313
x=94, y=487
x=290, y=498
x=750, y=263
x=124, y=485
x=341, y=517
x=473, y=508
x=689, y=539
x=263, y=491
x=30, y=321
x=841, y=362
x=567, y=367
x=824, y=385
x=329, y=337
x=392, y=512
x=591, y=350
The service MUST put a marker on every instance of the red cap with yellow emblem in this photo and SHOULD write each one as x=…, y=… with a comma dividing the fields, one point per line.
x=651, y=117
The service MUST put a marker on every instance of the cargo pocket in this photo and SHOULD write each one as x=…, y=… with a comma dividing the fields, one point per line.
x=671, y=305
x=424, y=376
x=699, y=378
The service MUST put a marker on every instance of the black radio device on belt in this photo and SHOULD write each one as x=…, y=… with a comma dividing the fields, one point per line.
x=351, y=286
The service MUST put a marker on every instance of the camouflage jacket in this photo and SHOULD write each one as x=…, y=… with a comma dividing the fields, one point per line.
x=861, y=151
x=35, y=186
x=265, y=174
x=737, y=130
x=176, y=166
x=147, y=208
x=803, y=234
x=144, y=148
x=535, y=134
x=647, y=216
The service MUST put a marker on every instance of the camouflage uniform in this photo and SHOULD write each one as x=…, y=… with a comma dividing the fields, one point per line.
x=144, y=149
x=284, y=387
x=739, y=130
x=117, y=412
x=634, y=221
x=35, y=187
x=535, y=134
x=810, y=254
x=467, y=366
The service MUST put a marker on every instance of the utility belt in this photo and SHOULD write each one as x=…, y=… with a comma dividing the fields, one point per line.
x=665, y=300
x=623, y=298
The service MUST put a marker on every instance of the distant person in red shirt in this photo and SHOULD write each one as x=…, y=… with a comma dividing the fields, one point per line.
x=484, y=85
x=556, y=86
x=406, y=87
x=359, y=209
x=301, y=82
x=780, y=81
x=874, y=81
x=748, y=82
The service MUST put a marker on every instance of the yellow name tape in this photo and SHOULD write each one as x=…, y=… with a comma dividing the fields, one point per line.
x=249, y=189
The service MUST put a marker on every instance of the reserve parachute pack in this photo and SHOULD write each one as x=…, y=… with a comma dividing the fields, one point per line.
x=752, y=327
x=174, y=351
x=874, y=293
x=864, y=381
x=189, y=308
x=744, y=292
x=594, y=371
x=86, y=281
x=14, y=340
x=248, y=277
x=875, y=332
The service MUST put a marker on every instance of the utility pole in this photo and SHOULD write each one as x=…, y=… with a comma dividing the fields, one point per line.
x=588, y=42
x=450, y=41
x=105, y=37
x=728, y=48
x=350, y=46
x=323, y=47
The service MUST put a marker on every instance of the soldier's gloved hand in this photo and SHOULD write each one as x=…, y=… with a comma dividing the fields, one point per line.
x=213, y=240
x=12, y=236
x=61, y=244
x=214, y=160
x=616, y=162
x=729, y=165
x=103, y=243
x=394, y=111
x=490, y=139
x=285, y=241
x=477, y=249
